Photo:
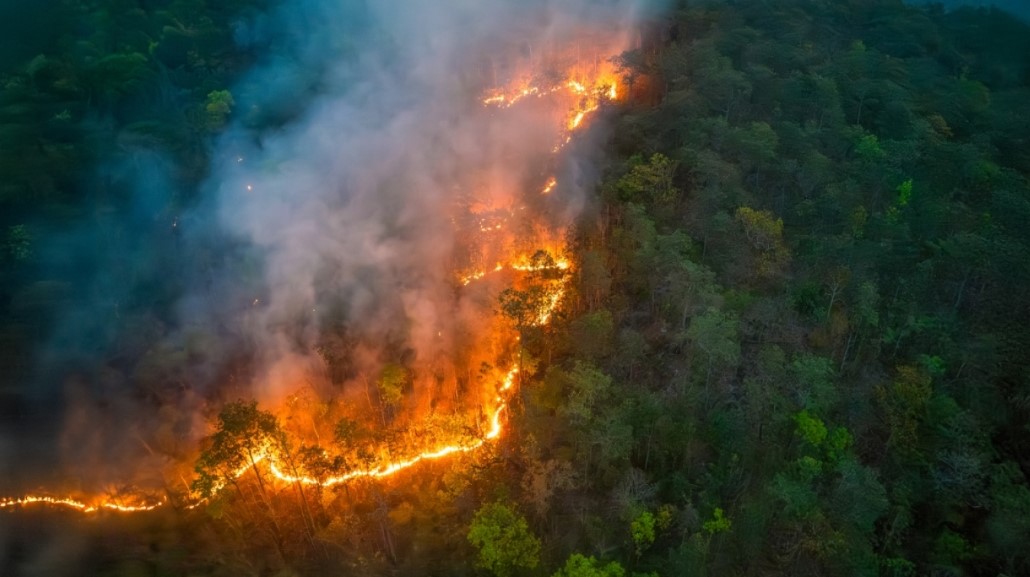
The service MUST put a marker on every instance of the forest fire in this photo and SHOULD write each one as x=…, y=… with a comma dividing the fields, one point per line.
x=267, y=457
x=580, y=93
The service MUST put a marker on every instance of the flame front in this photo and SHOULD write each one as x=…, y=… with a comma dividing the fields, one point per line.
x=80, y=506
x=584, y=94
x=267, y=458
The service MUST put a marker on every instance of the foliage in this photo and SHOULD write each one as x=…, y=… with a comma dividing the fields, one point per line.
x=579, y=566
x=811, y=429
x=503, y=540
x=811, y=327
x=764, y=232
x=218, y=105
x=650, y=181
x=642, y=529
x=718, y=523
x=391, y=383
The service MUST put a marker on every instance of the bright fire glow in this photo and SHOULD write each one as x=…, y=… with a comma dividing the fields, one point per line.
x=604, y=88
x=267, y=457
x=73, y=504
x=521, y=264
x=584, y=94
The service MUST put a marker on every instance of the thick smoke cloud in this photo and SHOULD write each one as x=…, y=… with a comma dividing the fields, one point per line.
x=351, y=205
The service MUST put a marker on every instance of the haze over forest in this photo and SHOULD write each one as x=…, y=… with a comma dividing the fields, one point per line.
x=570, y=288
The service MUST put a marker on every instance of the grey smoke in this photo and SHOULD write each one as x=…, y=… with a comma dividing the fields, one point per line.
x=352, y=202
x=361, y=135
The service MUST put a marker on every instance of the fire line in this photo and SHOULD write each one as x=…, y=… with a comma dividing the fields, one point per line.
x=589, y=97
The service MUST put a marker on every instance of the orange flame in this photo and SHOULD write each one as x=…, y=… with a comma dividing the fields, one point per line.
x=521, y=264
x=80, y=506
x=267, y=456
x=551, y=183
x=586, y=95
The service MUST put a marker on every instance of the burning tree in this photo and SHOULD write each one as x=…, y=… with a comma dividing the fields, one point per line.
x=245, y=436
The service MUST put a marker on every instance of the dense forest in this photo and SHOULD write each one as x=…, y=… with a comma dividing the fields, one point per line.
x=795, y=341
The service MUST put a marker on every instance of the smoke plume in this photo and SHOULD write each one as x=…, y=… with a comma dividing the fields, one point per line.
x=347, y=197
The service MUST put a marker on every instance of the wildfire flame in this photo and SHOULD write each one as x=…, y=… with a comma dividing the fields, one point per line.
x=585, y=93
x=268, y=457
x=605, y=88
x=521, y=265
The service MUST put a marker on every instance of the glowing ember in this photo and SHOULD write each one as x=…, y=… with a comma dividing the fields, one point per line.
x=551, y=183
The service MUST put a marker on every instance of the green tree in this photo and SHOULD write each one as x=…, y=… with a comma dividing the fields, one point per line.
x=595, y=281
x=503, y=540
x=722, y=86
x=811, y=429
x=244, y=437
x=754, y=146
x=765, y=233
x=579, y=566
x=593, y=335
x=652, y=181
x=904, y=402
x=588, y=391
x=642, y=529
x=714, y=333
x=1009, y=523
x=719, y=523
x=813, y=383
x=217, y=107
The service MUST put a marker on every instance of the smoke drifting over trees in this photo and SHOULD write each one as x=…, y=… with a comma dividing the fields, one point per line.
x=290, y=223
